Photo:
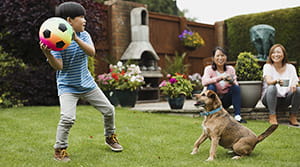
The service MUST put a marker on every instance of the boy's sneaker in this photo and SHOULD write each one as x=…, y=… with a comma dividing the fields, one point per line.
x=239, y=119
x=113, y=143
x=61, y=154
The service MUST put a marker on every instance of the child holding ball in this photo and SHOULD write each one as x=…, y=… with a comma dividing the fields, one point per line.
x=74, y=81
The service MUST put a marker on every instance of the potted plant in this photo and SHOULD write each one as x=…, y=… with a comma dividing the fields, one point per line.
x=175, y=64
x=197, y=83
x=125, y=80
x=191, y=40
x=106, y=83
x=176, y=88
x=249, y=76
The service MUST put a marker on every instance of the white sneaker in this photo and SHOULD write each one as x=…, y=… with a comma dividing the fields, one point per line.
x=238, y=118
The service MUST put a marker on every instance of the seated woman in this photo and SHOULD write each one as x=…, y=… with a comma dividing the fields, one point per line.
x=277, y=93
x=221, y=78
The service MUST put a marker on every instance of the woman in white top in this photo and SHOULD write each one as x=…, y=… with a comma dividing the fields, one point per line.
x=280, y=85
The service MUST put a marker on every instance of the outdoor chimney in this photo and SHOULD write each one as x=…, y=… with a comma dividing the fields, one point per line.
x=139, y=36
x=141, y=50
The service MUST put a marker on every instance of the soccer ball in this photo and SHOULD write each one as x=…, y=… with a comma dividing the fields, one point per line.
x=56, y=33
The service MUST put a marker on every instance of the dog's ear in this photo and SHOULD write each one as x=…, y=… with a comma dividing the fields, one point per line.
x=212, y=95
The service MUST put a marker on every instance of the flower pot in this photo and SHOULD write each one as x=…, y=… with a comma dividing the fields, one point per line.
x=190, y=48
x=176, y=102
x=127, y=98
x=250, y=93
x=111, y=95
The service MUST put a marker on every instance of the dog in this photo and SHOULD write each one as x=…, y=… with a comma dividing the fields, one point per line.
x=222, y=129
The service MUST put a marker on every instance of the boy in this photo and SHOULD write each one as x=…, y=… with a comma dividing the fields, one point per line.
x=74, y=81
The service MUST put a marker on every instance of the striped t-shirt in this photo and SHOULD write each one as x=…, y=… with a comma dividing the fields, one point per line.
x=75, y=76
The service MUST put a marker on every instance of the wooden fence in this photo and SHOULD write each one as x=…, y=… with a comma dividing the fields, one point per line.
x=163, y=29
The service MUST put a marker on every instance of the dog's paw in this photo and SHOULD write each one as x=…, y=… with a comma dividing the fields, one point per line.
x=236, y=157
x=195, y=151
x=210, y=159
x=230, y=152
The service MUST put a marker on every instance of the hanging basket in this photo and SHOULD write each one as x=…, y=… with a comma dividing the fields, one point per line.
x=190, y=48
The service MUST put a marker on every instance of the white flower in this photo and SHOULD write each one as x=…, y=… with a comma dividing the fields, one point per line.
x=119, y=64
x=133, y=78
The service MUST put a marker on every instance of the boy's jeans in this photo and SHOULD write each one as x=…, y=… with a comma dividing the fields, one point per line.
x=68, y=103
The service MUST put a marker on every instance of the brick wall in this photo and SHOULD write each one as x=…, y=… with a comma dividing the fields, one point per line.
x=120, y=26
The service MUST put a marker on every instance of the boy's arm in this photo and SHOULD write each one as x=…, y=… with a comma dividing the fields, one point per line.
x=57, y=64
x=87, y=48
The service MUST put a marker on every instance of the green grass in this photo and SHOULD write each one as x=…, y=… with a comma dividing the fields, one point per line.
x=149, y=140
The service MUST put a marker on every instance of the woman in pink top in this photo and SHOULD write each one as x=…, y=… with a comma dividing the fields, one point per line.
x=277, y=93
x=221, y=78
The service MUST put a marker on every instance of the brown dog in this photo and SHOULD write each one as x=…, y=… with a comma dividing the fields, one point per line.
x=221, y=128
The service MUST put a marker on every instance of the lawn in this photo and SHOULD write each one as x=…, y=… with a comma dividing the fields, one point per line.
x=149, y=140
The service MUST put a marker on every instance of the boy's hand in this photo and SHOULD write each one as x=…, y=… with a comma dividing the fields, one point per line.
x=74, y=36
x=44, y=48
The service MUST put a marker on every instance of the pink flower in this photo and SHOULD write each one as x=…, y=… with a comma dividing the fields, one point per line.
x=163, y=83
x=172, y=80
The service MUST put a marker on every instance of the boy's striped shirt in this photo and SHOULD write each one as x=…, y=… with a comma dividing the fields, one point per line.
x=75, y=76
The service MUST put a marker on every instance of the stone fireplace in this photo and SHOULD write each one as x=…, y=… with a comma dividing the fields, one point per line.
x=140, y=50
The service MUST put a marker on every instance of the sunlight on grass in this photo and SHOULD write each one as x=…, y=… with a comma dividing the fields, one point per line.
x=28, y=135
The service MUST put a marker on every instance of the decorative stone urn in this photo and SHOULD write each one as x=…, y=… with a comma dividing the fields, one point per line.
x=250, y=93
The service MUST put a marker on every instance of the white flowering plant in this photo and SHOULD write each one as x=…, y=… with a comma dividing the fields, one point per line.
x=196, y=80
x=122, y=77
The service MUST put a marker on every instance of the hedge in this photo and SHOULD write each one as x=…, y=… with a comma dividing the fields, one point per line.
x=285, y=21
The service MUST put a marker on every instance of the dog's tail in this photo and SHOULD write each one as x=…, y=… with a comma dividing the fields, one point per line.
x=267, y=133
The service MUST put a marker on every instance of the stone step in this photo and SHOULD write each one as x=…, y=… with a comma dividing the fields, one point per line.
x=257, y=113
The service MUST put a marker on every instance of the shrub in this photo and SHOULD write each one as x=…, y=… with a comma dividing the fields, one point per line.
x=25, y=85
x=285, y=21
x=247, y=67
x=9, y=90
x=21, y=20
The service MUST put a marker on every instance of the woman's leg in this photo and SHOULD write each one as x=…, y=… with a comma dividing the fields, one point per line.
x=295, y=102
x=270, y=101
x=236, y=98
x=293, y=98
x=233, y=97
x=212, y=87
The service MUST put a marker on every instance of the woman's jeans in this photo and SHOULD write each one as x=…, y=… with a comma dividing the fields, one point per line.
x=232, y=97
x=272, y=102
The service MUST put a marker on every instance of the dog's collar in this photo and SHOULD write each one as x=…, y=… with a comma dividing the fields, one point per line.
x=211, y=112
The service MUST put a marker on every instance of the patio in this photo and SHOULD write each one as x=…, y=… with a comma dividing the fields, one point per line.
x=257, y=113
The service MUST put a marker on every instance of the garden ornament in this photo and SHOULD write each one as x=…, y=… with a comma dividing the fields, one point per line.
x=262, y=36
